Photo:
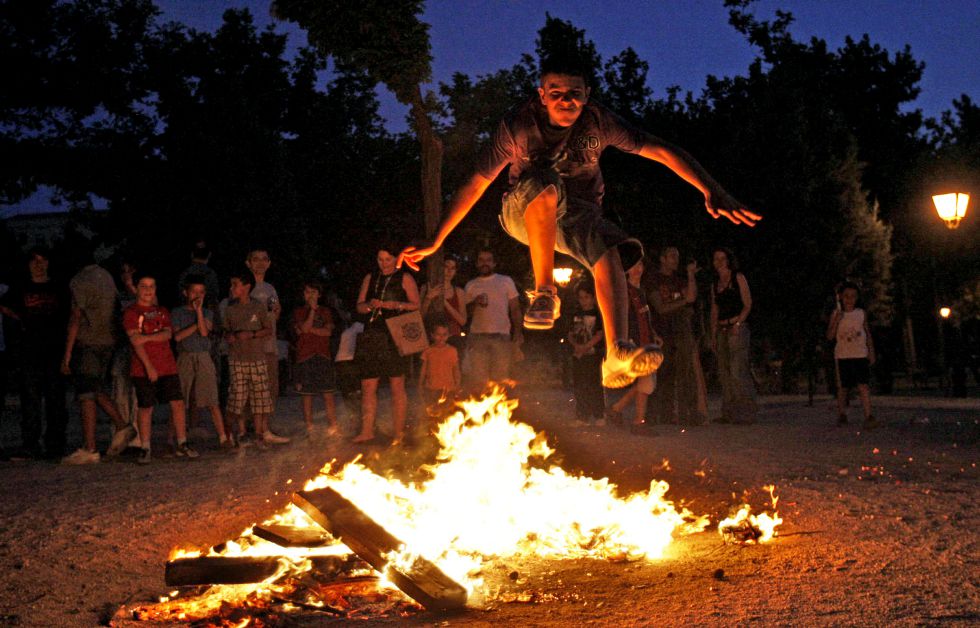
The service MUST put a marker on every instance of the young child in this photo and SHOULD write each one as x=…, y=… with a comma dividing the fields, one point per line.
x=854, y=352
x=586, y=338
x=153, y=368
x=198, y=380
x=258, y=262
x=247, y=326
x=315, y=375
x=440, y=378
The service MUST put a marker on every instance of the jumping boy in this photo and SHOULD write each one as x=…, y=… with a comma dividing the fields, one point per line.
x=552, y=144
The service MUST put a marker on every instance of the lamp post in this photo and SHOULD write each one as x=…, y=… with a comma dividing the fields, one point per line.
x=951, y=208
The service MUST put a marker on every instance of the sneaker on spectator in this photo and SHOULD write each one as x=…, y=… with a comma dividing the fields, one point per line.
x=144, y=457
x=245, y=440
x=613, y=416
x=627, y=362
x=545, y=307
x=274, y=439
x=120, y=441
x=333, y=432
x=226, y=443
x=82, y=456
x=183, y=450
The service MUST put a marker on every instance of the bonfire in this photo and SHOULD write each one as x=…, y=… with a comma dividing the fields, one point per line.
x=491, y=492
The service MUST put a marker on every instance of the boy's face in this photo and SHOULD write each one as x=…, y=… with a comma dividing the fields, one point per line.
x=258, y=262
x=146, y=290
x=194, y=293
x=440, y=335
x=38, y=265
x=311, y=294
x=670, y=260
x=586, y=300
x=240, y=290
x=849, y=298
x=563, y=96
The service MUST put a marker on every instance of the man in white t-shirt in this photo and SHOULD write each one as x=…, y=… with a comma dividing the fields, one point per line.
x=494, y=314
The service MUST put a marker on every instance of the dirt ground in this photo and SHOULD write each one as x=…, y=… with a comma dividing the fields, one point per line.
x=880, y=527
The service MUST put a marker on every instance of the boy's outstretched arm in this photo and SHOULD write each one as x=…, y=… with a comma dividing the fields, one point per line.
x=717, y=201
x=463, y=201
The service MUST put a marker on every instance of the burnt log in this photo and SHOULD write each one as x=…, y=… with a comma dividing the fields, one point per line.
x=290, y=536
x=423, y=581
x=240, y=569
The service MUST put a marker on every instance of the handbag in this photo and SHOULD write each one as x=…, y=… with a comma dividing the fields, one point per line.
x=408, y=332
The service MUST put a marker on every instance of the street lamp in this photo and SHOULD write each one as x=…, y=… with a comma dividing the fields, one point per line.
x=951, y=207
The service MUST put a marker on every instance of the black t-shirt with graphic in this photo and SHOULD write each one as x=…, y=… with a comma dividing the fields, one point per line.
x=585, y=325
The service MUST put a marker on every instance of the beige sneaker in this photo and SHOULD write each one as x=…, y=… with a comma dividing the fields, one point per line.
x=627, y=362
x=121, y=440
x=544, y=309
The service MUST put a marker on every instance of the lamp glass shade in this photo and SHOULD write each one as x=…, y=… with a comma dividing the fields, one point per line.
x=951, y=206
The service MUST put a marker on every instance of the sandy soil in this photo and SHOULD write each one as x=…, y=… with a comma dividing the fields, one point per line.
x=881, y=527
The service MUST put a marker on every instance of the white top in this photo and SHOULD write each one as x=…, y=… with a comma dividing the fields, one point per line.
x=851, y=340
x=495, y=317
x=348, y=342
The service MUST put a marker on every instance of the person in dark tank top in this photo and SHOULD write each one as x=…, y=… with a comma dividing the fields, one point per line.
x=731, y=303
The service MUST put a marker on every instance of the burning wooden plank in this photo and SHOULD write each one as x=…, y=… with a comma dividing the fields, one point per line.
x=240, y=569
x=424, y=581
x=290, y=536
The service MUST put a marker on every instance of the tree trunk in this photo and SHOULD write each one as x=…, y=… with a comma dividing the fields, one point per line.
x=431, y=152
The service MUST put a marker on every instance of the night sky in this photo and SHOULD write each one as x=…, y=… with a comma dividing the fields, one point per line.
x=683, y=40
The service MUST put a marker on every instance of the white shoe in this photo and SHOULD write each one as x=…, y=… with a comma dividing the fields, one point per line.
x=82, y=456
x=627, y=362
x=274, y=439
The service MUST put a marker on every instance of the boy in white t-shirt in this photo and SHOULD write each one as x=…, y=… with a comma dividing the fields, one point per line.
x=854, y=352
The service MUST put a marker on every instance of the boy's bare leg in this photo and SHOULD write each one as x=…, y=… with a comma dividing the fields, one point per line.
x=89, y=411
x=612, y=298
x=330, y=408
x=107, y=405
x=369, y=406
x=261, y=425
x=541, y=222
x=841, y=401
x=625, y=400
x=219, y=422
x=308, y=411
x=178, y=416
x=145, y=417
x=399, y=406
x=641, y=408
x=865, y=395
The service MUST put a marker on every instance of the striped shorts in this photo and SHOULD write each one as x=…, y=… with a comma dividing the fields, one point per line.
x=249, y=385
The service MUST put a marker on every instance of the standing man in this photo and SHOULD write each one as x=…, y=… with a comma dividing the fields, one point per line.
x=552, y=144
x=40, y=305
x=495, y=323
x=681, y=396
x=88, y=356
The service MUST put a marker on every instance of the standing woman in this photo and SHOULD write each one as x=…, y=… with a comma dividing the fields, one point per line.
x=448, y=299
x=731, y=303
x=384, y=293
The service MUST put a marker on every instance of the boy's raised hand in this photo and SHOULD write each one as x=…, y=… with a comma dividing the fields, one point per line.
x=720, y=203
x=411, y=256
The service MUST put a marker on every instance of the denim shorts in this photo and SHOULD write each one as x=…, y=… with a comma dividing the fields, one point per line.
x=583, y=233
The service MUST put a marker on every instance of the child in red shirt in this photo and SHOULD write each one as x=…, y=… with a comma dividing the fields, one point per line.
x=314, y=325
x=153, y=368
x=439, y=381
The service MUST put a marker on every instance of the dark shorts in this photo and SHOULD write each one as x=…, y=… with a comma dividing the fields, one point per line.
x=315, y=376
x=377, y=356
x=90, y=365
x=853, y=372
x=164, y=390
x=583, y=233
